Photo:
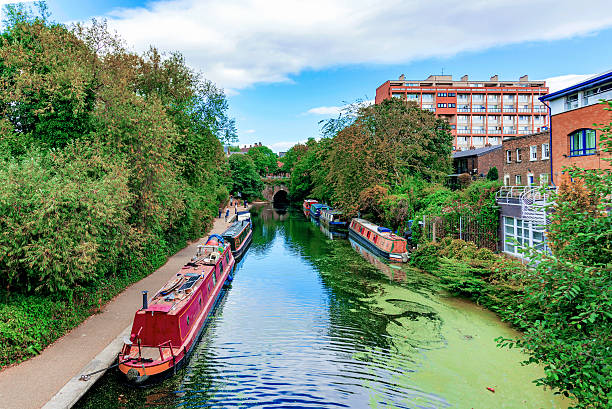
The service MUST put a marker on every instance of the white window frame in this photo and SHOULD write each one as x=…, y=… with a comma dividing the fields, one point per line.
x=518, y=181
x=518, y=155
x=509, y=156
x=544, y=179
x=545, y=151
x=519, y=233
x=506, y=180
x=533, y=153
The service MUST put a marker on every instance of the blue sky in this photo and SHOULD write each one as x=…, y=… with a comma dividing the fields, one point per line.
x=286, y=63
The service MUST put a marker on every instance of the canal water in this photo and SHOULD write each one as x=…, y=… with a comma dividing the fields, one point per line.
x=314, y=321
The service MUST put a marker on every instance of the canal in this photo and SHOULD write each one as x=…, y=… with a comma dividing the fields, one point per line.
x=313, y=321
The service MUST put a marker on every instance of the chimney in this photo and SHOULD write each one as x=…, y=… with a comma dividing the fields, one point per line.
x=524, y=78
x=464, y=78
x=402, y=77
x=495, y=78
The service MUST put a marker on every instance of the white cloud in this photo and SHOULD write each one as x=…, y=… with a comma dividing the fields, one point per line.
x=249, y=131
x=564, y=81
x=244, y=42
x=335, y=110
x=283, y=146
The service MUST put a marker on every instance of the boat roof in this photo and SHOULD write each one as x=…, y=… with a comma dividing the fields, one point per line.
x=234, y=229
x=311, y=200
x=374, y=228
x=332, y=211
x=319, y=206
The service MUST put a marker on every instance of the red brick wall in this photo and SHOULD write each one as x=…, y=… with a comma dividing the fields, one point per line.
x=567, y=122
x=490, y=159
x=526, y=166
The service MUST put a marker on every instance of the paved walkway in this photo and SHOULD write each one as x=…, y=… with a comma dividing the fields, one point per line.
x=31, y=384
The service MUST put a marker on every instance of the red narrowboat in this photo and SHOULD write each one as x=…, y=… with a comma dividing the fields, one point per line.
x=380, y=240
x=306, y=206
x=167, y=328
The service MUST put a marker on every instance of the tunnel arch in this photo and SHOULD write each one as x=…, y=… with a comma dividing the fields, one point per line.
x=281, y=197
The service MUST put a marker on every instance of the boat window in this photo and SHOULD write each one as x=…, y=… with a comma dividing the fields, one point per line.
x=188, y=320
x=375, y=238
x=214, y=277
x=200, y=302
x=227, y=258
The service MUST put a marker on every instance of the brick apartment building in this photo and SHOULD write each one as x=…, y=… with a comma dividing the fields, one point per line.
x=480, y=113
x=526, y=160
x=575, y=116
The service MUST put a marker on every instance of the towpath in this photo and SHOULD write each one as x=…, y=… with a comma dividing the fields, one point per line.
x=37, y=381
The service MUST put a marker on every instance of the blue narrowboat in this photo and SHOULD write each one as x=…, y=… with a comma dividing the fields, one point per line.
x=315, y=209
x=333, y=219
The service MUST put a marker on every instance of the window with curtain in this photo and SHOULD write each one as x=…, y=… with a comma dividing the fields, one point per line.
x=583, y=142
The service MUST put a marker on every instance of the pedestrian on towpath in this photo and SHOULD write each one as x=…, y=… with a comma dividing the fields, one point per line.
x=219, y=213
x=226, y=214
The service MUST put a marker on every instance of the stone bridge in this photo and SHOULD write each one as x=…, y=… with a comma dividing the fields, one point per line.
x=276, y=192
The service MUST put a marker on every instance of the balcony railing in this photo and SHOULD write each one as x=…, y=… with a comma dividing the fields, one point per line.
x=494, y=109
x=509, y=130
x=463, y=131
x=509, y=109
x=525, y=110
x=463, y=109
x=474, y=109
x=524, y=131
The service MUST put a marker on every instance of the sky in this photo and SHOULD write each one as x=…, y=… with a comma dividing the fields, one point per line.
x=286, y=65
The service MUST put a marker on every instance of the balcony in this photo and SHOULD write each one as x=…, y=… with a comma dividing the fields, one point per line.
x=509, y=130
x=463, y=109
x=494, y=109
x=429, y=109
x=479, y=109
x=464, y=131
x=525, y=110
x=509, y=109
x=525, y=131
x=494, y=131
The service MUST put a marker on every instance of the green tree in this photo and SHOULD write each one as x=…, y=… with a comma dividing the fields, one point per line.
x=244, y=176
x=492, y=174
x=264, y=159
x=293, y=155
x=386, y=144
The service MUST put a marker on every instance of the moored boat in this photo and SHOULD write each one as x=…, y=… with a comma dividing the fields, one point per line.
x=167, y=327
x=380, y=240
x=316, y=208
x=239, y=235
x=306, y=206
x=333, y=219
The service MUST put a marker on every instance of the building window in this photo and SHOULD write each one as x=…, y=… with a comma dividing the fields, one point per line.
x=508, y=156
x=530, y=180
x=519, y=233
x=441, y=94
x=583, y=142
x=519, y=157
x=506, y=180
x=451, y=105
x=543, y=179
x=545, y=151
x=441, y=105
x=517, y=180
x=533, y=153
x=571, y=101
x=451, y=94
x=412, y=97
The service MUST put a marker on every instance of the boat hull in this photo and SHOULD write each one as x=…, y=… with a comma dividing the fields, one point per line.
x=143, y=365
x=239, y=252
x=334, y=225
x=374, y=249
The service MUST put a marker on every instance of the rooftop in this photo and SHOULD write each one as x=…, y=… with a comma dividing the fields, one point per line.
x=588, y=83
x=476, y=152
x=447, y=80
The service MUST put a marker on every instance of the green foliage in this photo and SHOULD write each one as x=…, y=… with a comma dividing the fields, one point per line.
x=264, y=159
x=245, y=179
x=493, y=174
x=293, y=155
x=110, y=161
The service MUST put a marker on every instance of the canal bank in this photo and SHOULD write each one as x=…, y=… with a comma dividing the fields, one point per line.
x=308, y=322
x=51, y=378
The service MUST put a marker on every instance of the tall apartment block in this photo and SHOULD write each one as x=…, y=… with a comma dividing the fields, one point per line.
x=480, y=113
